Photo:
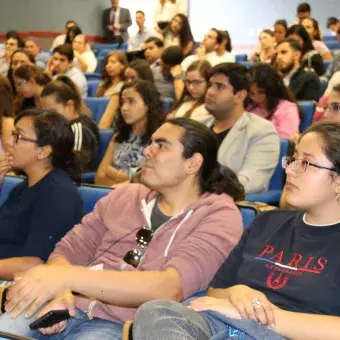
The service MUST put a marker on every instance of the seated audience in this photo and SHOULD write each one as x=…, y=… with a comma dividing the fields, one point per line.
x=136, y=70
x=19, y=57
x=112, y=74
x=139, y=117
x=265, y=52
x=72, y=33
x=153, y=49
x=61, y=39
x=6, y=114
x=165, y=10
x=270, y=99
x=84, y=57
x=32, y=45
x=188, y=225
x=303, y=84
x=136, y=40
x=61, y=63
x=215, y=48
x=311, y=60
x=12, y=43
x=269, y=287
x=29, y=82
x=178, y=33
x=43, y=208
x=191, y=104
x=249, y=144
x=312, y=27
x=333, y=25
x=63, y=96
x=280, y=30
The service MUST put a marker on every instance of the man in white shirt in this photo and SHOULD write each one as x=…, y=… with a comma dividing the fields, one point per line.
x=61, y=63
x=60, y=39
x=212, y=49
x=137, y=39
x=84, y=58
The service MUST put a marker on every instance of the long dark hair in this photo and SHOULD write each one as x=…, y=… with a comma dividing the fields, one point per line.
x=203, y=67
x=185, y=35
x=213, y=178
x=303, y=34
x=6, y=99
x=143, y=69
x=267, y=78
x=55, y=130
x=72, y=33
x=151, y=98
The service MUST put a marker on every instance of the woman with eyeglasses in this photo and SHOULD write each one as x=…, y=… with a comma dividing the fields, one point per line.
x=46, y=205
x=191, y=103
x=139, y=117
x=282, y=279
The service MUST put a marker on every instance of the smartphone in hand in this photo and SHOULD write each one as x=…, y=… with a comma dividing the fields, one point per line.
x=49, y=319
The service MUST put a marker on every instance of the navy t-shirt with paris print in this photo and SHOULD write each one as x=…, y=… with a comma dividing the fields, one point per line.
x=296, y=265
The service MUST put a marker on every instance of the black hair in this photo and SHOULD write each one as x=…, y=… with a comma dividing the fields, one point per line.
x=237, y=74
x=303, y=34
x=6, y=99
x=64, y=89
x=143, y=69
x=331, y=21
x=282, y=22
x=141, y=12
x=30, y=57
x=185, y=35
x=226, y=37
x=267, y=78
x=27, y=72
x=65, y=50
x=292, y=43
x=72, y=33
x=15, y=35
x=151, y=98
x=158, y=42
x=172, y=56
x=70, y=22
x=304, y=7
x=55, y=130
x=213, y=178
x=317, y=34
x=329, y=133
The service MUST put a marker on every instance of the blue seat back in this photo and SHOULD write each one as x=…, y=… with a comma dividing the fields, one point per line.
x=241, y=57
x=105, y=138
x=278, y=179
x=7, y=186
x=332, y=45
x=97, y=106
x=323, y=87
x=100, y=65
x=167, y=103
x=96, y=48
x=329, y=38
x=247, y=64
x=248, y=214
x=308, y=108
x=92, y=86
x=104, y=52
x=91, y=195
x=92, y=76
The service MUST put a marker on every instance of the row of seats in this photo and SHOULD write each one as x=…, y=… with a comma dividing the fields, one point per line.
x=92, y=194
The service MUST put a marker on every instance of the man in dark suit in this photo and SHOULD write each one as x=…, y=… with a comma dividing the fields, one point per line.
x=116, y=21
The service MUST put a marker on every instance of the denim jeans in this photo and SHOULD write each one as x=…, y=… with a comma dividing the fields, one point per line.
x=161, y=319
x=80, y=327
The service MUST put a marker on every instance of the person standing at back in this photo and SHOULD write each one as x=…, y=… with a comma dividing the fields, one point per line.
x=116, y=20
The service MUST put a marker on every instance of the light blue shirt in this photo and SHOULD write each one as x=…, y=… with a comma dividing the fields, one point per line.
x=78, y=77
x=41, y=59
x=138, y=38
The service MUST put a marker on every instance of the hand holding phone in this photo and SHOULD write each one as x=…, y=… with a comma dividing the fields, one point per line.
x=49, y=319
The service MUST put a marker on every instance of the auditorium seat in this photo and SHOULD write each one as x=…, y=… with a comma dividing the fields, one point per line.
x=92, y=86
x=241, y=57
x=324, y=84
x=105, y=138
x=248, y=213
x=167, y=103
x=92, y=76
x=8, y=184
x=276, y=184
x=308, y=108
x=97, y=106
x=247, y=64
x=333, y=45
x=99, y=47
x=100, y=65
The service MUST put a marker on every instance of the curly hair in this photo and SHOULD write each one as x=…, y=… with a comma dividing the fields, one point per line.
x=267, y=78
x=152, y=99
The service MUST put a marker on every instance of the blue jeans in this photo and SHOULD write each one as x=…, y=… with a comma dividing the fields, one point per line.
x=80, y=327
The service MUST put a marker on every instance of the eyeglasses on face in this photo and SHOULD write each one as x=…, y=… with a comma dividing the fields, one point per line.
x=195, y=82
x=301, y=165
x=17, y=135
x=143, y=238
x=18, y=84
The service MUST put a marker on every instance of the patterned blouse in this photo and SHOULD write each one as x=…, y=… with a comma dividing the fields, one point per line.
x=128, y=154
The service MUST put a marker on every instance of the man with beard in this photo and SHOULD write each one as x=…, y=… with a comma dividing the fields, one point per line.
x=305, y=85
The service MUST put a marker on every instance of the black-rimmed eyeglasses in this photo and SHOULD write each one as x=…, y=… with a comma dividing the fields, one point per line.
x=300, y=165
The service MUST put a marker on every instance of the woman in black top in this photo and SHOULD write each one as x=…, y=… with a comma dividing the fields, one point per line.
x=44, y=207
x=282, y=280
x=311, y=60
x=63, y=96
